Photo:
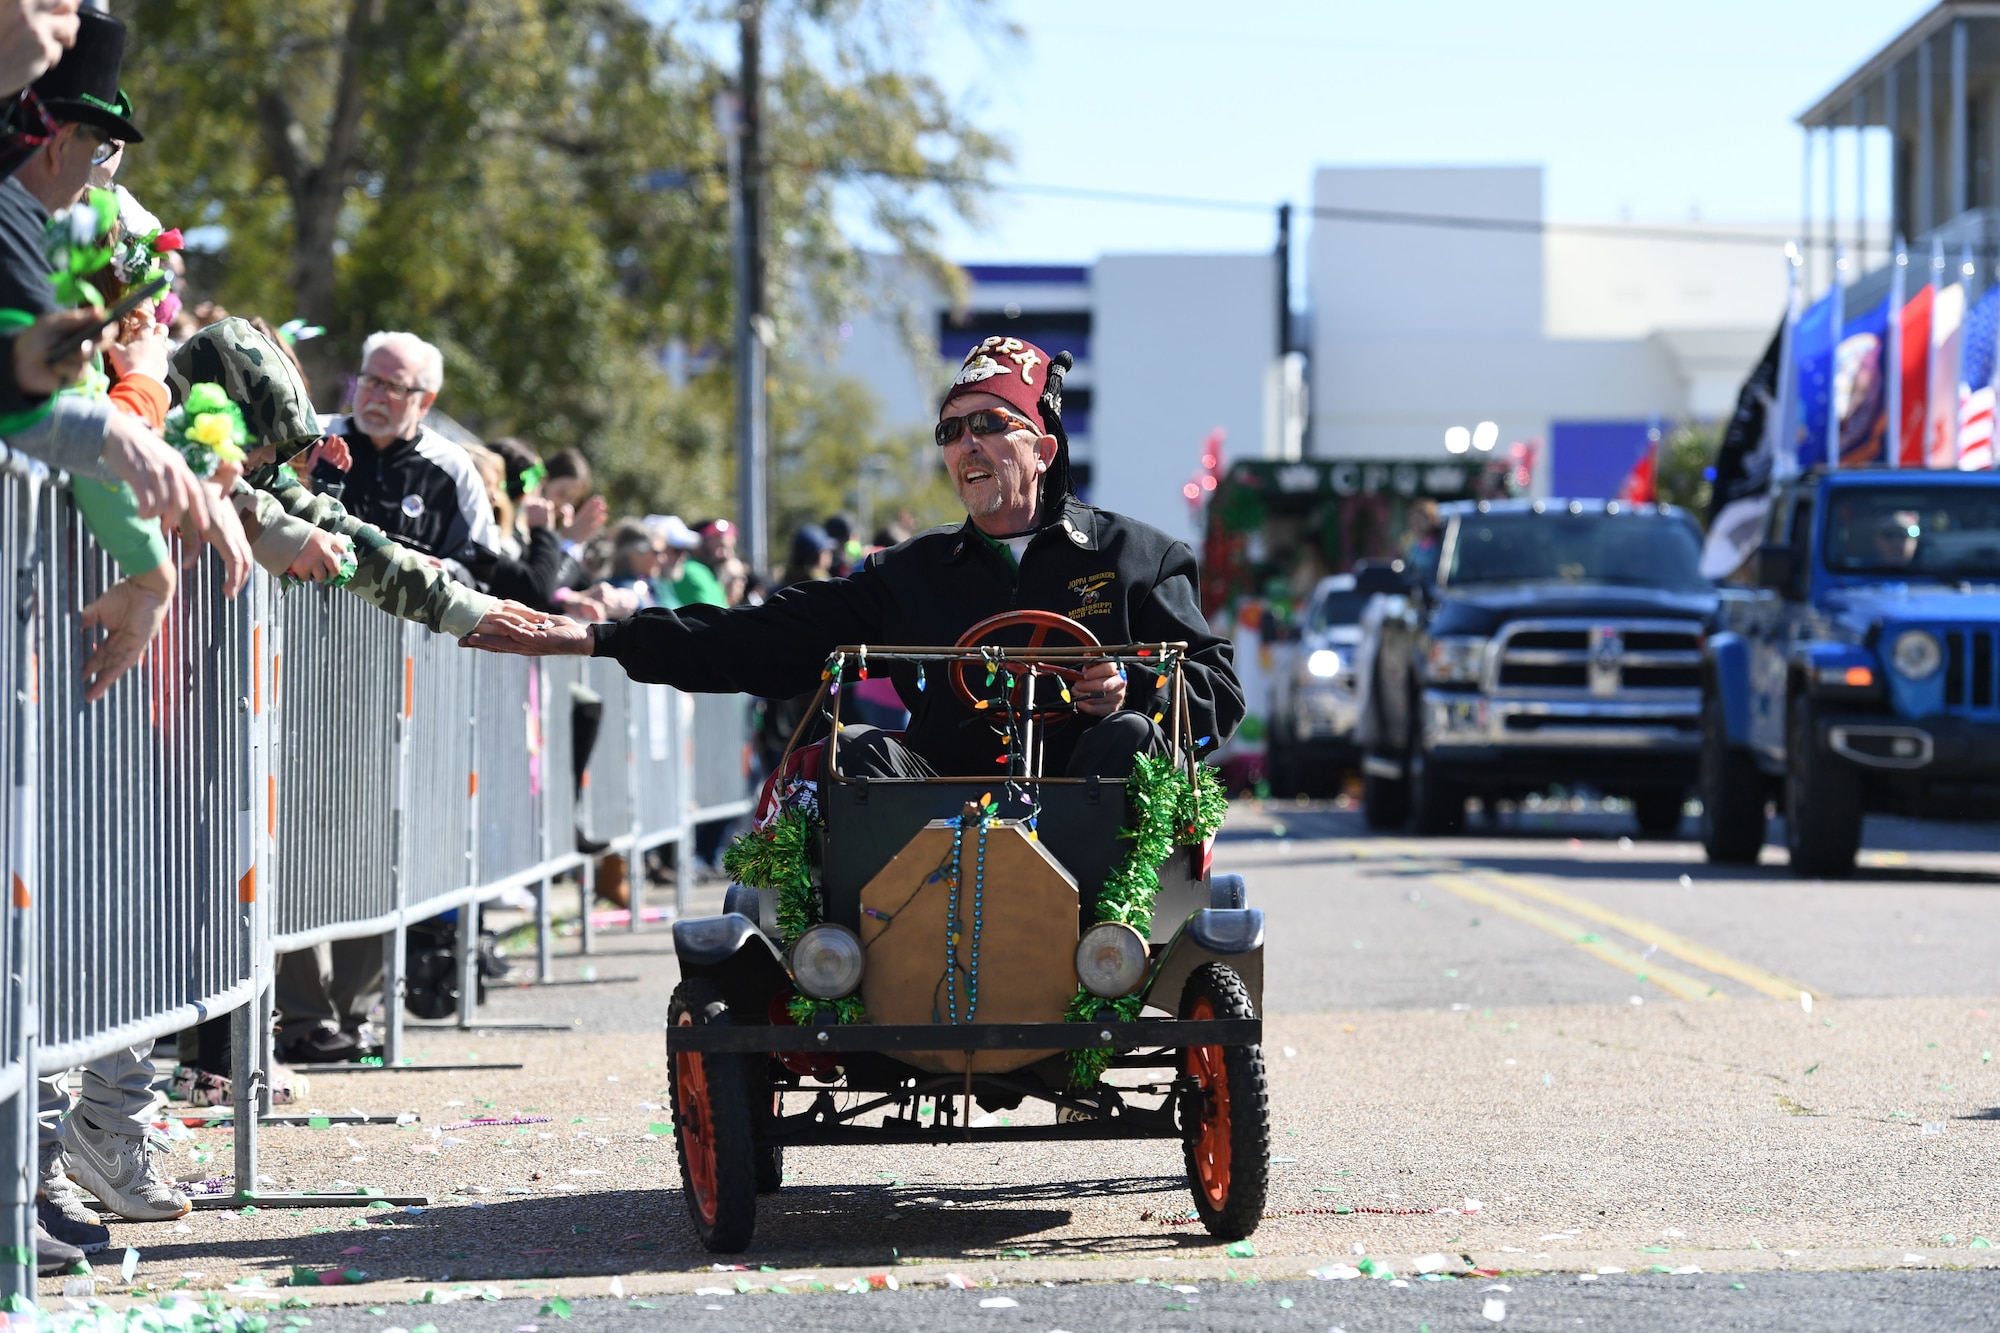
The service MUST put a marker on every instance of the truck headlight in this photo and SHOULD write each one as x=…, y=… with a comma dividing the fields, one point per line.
x=1110, y=959
x=1324, y=664
x=1916, y=654
x=1457, y=659
x=826, y=962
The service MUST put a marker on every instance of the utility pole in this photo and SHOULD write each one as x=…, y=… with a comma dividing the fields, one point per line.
x=1284, y=258
x=754, y=330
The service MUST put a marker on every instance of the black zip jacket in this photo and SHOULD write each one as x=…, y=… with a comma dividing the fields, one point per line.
x=423, y=492
x=531, y=580
x=1124, y=581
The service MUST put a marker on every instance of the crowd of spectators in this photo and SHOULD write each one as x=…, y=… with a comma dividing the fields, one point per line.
x=183, y=429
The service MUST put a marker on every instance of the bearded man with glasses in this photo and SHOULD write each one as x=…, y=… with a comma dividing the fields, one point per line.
x=1027, y=543
x=393, y=471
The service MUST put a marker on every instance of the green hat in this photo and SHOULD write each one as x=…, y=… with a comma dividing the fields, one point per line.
x=258, y=377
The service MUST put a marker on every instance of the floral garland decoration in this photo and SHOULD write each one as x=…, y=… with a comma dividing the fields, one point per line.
x=208, y=429
x=1169, y=811
x=78, y=243
x=141, y=240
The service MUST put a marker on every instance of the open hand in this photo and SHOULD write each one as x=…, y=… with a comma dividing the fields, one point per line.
x=224, y=532
x=537, y=512
x=331, y=450
x=588, y=520
x=320, y=561
x=521, y=630
x=130, y=614
x=1100, y=690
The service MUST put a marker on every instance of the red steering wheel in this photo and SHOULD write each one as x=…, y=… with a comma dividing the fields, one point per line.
x=1040, y=626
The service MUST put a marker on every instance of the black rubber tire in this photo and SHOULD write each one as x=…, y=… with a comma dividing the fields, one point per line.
x=1237, y=1157
x=770, y=1170
x=1822, y=802
x=709, y=1095
x=1437, y=806
x=1385, y=802
x=1732, y=795
x=1658, y=812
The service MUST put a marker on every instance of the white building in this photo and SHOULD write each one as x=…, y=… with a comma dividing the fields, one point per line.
x=1579, y=340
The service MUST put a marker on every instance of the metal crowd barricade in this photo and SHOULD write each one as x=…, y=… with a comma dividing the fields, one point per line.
x=282, y=769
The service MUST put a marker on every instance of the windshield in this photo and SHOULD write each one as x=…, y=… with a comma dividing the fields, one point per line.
x=1338, y=608
x=1944, y=532
x=1575, y=548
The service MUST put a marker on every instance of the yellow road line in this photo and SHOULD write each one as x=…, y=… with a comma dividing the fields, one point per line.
x=1687, y=950
x=1675, y=983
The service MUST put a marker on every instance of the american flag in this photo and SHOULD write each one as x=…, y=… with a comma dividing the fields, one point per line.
x=1975, y=389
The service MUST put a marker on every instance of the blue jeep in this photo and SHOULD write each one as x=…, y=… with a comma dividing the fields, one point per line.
x=1862, y=674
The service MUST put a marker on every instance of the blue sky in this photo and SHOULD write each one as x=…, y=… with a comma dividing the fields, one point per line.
x=1647, y=111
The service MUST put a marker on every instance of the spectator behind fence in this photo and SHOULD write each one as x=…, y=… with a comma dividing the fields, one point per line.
x=399, y=475
x=681, y=580
x=568, y=486
x=85, y=436
x=530, y=565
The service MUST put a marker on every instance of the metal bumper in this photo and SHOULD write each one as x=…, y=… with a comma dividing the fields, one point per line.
x=1324, y=711
x=1665, y=722
x=889, y=1038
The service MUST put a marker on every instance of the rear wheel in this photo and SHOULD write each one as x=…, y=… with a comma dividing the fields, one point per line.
x=1225, y=1111
x=1658, y=812
x=1385, y=802
x=1732, y=795
x=712, y=1126
x=1822, y=802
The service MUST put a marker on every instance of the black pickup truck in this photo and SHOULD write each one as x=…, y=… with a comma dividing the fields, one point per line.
x=1554, y=642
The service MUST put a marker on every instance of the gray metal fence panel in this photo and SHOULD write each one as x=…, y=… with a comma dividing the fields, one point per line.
x=721, y=765
x=555, y=686
x=607, y=797
x=141, y=802
x=340, y=695
x=660, y=790
x=508, y=792
x=437, y=807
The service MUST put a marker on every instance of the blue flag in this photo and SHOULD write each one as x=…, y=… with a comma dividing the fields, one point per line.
x=1812, y=367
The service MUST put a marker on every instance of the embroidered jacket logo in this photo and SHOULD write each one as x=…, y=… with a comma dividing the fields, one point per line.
x=1089, y=592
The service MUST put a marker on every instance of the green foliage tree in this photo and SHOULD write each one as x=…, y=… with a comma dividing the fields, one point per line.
x=538, y=186
x=1686, y=455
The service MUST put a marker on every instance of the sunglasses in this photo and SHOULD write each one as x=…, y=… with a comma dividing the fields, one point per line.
x=986, y=421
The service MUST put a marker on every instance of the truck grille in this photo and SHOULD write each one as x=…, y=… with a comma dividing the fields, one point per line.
x=1597, y=658
x=1968, y=675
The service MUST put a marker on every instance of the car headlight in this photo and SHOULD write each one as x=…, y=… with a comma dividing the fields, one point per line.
x=826, y=962
x=1457, y=659
x=1324, y=663
x=1916, y=654
x=1110, y=959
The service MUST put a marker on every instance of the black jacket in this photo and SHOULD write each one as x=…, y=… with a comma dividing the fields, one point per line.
x=530, y=580
x=424, y=492
x=24, y=277
x=1124, y=581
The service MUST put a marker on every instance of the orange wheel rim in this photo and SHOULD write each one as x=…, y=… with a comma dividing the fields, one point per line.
x=1210, y=1068
x=697, y=1127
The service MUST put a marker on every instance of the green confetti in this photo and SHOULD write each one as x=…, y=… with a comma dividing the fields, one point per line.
x=556, y=1306
x=1812, y=1069
x=1242, y=1249
x=1980, y=1243
x=320, y=1122
x=1947, y=1239
x=1285, y=1303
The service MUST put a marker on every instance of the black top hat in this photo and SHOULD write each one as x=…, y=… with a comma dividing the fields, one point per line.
x=83, y=85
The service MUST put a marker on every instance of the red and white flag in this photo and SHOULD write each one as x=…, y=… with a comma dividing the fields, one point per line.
x=1975, y=428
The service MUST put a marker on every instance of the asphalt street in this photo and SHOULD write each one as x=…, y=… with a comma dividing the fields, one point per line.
x=1546, y=1050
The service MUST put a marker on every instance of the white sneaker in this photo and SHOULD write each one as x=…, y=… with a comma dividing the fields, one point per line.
x=58, y=1190
x=119, y=1170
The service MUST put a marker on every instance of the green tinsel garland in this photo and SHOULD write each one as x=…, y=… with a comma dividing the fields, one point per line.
x=1168, y=811
x=803, y=1009
x=780, y=857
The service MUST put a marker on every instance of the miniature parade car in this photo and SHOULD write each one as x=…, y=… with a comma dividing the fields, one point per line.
x=900, y=951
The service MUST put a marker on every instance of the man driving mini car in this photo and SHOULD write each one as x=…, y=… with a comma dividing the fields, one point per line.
x=1027, y=544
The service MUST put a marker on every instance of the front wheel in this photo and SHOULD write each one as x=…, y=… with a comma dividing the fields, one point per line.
x=1732, y=795
x=1822, y=803
x=1385, y=802
x=712, y=1126
x=1225, y=1111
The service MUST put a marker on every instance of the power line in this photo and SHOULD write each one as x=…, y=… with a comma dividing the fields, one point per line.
x=1386, y=217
